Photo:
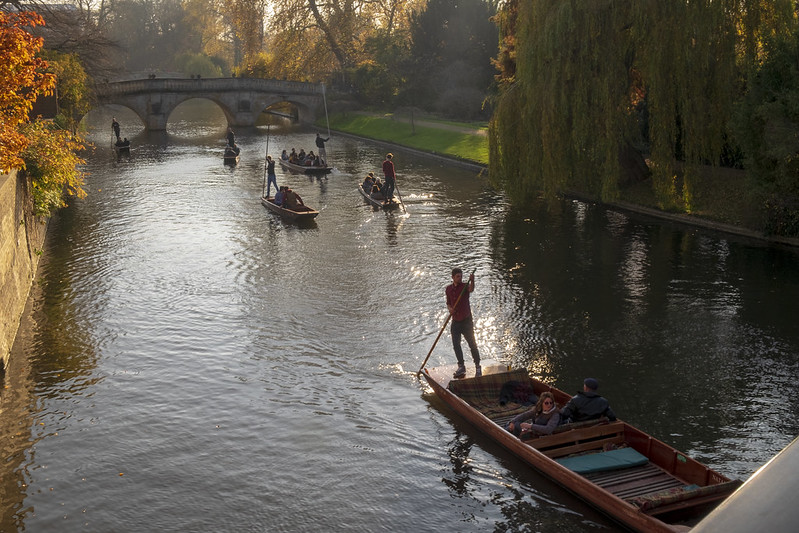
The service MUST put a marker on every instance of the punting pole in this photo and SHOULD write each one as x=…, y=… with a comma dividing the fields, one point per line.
x=266, y=153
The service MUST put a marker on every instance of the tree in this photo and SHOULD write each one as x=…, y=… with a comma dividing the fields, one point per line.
x=505, y=62
x=23, y=77
x=587, y=71
x=198, y=64
x=453, y=42
x=767, y=128
x=80, y=30
x=332, y=36
x=246, y=21
x=72, y=88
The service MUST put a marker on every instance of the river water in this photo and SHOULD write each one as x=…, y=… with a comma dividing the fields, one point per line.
x=190, y=362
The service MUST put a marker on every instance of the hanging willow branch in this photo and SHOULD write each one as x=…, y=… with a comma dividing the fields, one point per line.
x=599, y=83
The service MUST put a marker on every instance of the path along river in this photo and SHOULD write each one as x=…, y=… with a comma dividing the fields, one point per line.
x=190, y=362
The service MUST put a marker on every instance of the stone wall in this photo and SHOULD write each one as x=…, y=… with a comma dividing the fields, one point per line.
x=21, y=243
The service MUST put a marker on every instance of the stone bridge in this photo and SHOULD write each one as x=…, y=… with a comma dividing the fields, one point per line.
x=241, y=99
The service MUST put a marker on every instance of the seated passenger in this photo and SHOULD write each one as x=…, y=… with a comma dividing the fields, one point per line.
x=587, y=405
x=279, y=196
x=284, y=156
x=545, y=418
x=293, y=200
x=368, y=182
x=377, y=189
x=301, y=156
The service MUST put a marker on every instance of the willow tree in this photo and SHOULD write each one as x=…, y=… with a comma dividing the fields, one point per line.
x=600, y=84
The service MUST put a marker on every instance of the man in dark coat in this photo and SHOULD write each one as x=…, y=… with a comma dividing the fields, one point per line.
x=587, y=405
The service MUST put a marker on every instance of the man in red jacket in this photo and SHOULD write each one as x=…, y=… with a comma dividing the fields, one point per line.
x=388, y=171
x=462, y=324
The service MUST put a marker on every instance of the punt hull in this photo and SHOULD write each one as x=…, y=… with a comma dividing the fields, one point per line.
x=303, y=213
x=541, y=452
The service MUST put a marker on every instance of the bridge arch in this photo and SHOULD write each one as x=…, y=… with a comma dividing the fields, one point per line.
x=242, y=100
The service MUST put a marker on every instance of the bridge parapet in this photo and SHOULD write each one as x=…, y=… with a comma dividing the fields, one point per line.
x=207, y=85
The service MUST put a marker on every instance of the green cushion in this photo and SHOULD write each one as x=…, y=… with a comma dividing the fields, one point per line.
x=599, y=462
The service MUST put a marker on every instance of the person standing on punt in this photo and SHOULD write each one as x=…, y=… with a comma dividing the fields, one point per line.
x=270, y=175
x=462, y=324
x=388, y=171
x=320, y=145
x=231, y=137
x=587, y=405
x=115, y=127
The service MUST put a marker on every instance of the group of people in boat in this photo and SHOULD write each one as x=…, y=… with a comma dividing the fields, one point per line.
x=374, y=186
x=302, y=159
x=545, y=416
x=287, y=198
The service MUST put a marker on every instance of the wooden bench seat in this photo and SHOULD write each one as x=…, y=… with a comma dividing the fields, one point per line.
x=581, y=440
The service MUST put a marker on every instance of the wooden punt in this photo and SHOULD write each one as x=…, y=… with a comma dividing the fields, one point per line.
x=231, y=156
x=302, y=169
x=629, y=475
x=378, y=202
x=302, y=213
x=122, y=149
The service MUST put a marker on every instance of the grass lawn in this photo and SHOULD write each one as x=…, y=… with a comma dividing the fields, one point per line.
x=458, y=140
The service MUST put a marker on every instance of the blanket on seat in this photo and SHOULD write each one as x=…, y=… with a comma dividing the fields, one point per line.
x=603, y=461
x=484, y=393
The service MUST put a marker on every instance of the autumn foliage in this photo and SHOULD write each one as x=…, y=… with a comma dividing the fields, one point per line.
x=22, y=79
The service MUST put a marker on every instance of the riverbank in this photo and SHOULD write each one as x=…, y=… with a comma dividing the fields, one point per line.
x=723, y=200
x=22, y=237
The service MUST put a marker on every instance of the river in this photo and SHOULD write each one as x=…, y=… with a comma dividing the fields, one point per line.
x=190, y=362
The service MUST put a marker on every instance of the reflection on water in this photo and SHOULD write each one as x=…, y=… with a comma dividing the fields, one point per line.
x=189, y=353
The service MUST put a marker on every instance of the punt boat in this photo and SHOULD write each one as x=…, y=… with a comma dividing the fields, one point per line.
x=378, y=202
x=231, y=156
x=300, y=214
x=637, y=480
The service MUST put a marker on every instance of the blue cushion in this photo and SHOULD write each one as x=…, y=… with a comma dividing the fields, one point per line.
x=599, y=462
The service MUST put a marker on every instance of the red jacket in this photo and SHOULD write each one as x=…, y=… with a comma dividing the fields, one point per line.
x=464, y=310
x=388, y=168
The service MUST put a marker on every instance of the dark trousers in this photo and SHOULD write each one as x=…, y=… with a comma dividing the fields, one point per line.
x=465, y=329
x=271, y=179
x=388, y=189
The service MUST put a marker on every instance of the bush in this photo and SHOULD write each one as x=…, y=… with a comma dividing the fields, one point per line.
x=51, y=165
